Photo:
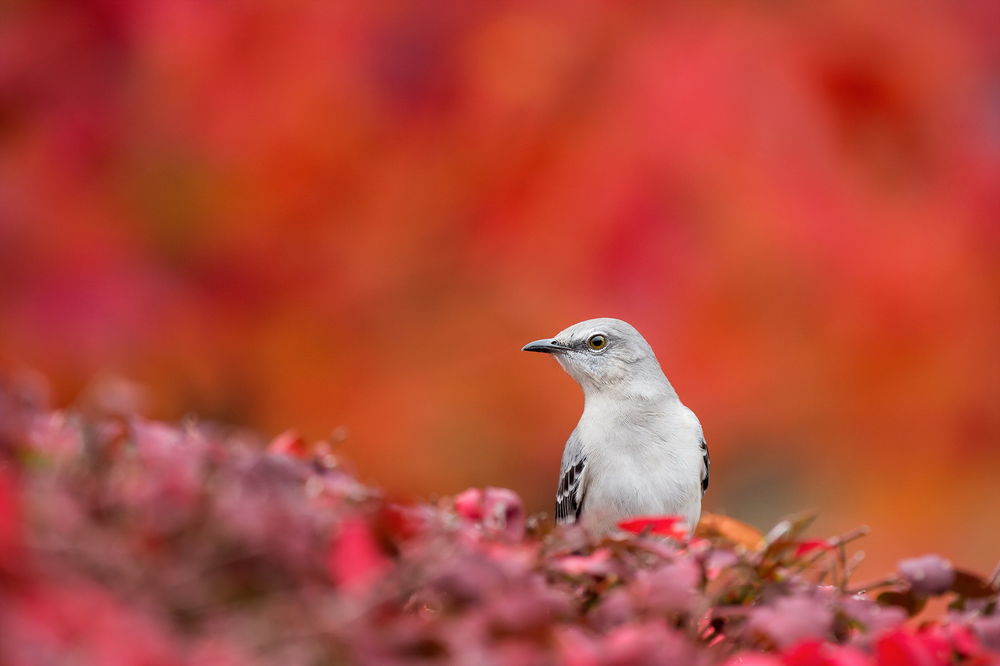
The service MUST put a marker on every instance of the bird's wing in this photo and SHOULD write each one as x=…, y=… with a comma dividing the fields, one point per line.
x=569, y=496
x=706, y=467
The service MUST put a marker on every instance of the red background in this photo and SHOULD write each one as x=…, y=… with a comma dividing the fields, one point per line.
x=312, y=215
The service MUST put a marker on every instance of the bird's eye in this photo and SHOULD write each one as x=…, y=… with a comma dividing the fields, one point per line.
x=597, y=342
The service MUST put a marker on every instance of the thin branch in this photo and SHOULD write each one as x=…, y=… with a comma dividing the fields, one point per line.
x=888, y=581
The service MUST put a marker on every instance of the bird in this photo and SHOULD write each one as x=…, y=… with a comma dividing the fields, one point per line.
x=637, y=450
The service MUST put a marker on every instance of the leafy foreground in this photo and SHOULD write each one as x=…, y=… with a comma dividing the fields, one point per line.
x=125, y=541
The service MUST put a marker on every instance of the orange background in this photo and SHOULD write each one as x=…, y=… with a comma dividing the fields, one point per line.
x=322, y=214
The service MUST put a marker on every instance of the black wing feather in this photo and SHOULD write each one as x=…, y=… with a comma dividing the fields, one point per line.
x=706, y=468
x=569, y=496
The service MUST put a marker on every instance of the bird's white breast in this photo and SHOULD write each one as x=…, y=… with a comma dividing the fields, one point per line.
x=640, y=461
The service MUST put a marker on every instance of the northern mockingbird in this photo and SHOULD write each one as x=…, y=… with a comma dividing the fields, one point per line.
x=637, y=450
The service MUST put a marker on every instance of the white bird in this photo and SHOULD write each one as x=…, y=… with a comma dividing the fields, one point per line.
x=637, y=450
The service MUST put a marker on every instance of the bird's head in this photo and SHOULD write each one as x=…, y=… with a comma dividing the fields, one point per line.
x=604, y=354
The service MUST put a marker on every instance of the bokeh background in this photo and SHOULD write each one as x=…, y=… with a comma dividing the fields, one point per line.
x=347, y=217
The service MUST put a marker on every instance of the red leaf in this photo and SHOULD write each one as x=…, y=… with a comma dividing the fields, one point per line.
x=900, y=648
x=289, y=443
x=806, y=547
x=964, y=640
x=405, y=522
x=469, y=504
x=817, y=653
x=355, y=559
x=672, y=526
x=10, y=520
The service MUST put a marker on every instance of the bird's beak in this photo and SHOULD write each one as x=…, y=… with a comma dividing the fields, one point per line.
x=546, y=346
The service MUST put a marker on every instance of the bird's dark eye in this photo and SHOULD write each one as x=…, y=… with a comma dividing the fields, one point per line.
x=596, y=342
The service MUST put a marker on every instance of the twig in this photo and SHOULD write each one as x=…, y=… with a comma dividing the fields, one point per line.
x=842, y=562
x=881, y=582
x=853, y=564
x=833, y=543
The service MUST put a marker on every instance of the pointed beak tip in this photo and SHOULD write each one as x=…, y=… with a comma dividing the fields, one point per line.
x=546, y=346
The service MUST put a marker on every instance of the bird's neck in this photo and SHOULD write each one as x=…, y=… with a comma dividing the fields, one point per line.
x=630, y=396
x=629, y=419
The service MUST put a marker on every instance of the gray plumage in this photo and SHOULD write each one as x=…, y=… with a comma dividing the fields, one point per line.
x=637, y=450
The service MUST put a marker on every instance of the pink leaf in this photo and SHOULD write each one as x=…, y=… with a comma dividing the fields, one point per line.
x=498, y=511
x=597, y=563
x=928, y=575
x=752, y=659
x=668, y=588
x=790, y=620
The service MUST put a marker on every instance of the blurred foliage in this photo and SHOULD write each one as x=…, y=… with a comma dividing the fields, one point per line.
x=352, y=214
x=196, y=545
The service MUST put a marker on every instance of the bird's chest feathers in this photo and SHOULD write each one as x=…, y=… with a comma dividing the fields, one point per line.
x=639, y=454
x=630, y=431
x=633, y=455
